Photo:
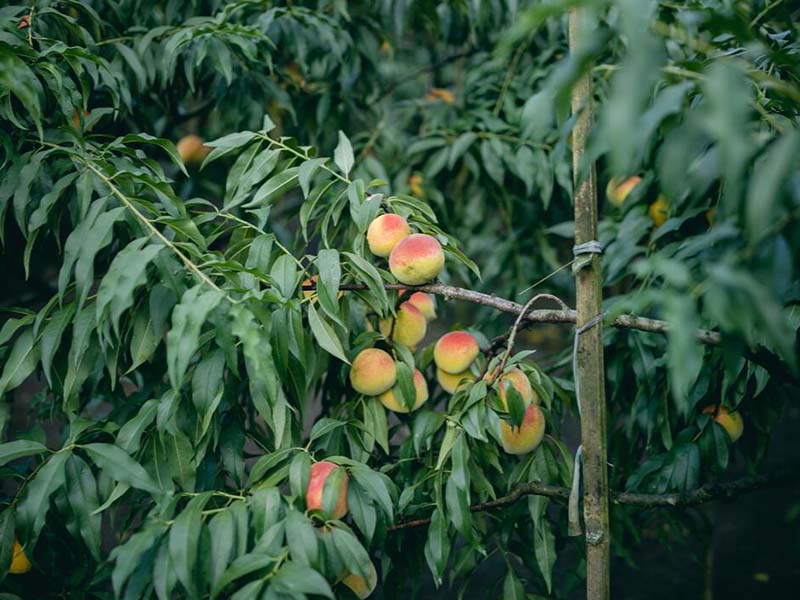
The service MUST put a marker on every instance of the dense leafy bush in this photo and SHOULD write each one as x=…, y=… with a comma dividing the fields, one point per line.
x=185, y=334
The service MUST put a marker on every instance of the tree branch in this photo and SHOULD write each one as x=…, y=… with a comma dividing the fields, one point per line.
x=707, y=493
x=564, y=315
x=759, y=356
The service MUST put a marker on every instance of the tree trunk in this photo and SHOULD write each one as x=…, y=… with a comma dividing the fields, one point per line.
x=591, y=374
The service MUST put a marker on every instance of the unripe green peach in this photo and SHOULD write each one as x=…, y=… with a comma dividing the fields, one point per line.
x=389, y=400
x=732, y=422
x=361, y=587
x=385, y=232
x=316, y=485
x=519, y=381
x=617, y=190
x=417, y=259
x=409, y=328
x=373, y=372
x=425, y=303
x=455, y=351
x=526, y=437
x=451, y=383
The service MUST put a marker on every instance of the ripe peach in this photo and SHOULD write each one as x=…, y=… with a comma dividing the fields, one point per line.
x=373, y=372
x=191, y=149
x=417, y=259
x=659, y=210
x=425, y=303
x=316, y=486
x=519, y=381
x=451, y=383
x=526, y=437
x=388, y=399
x=19, y=561
x=455, y=351
x=361, y=587
x=385, y=232
x=732, y=422
x=617, y=190
x=410, y=327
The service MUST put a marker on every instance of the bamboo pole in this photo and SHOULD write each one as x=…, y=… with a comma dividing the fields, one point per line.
x=591, y=374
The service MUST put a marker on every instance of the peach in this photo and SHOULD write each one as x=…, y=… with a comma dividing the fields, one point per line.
x=373, y=372
x=385, y=232
x=659, y=210
x=19, y=561
x=519, y=381
x=455, y=351
x=451, y=383
x=191, y=149
x=617, y=190
x=732, y=422
x=526, y=437
x=316, y=486
x=388, y=399
x=425, y=303
x=409, y=328
x=417, y=259
x=361, y=587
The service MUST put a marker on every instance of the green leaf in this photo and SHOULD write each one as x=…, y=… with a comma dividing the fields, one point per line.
x=19, y=448
x=376, y=487
x=32, y=510
x=306, y=172
x=81, y=490
x=293, y=578
x=241, y=566
x=330, y=274
x=21, y=361
x=437, y=546
x=343, y=154
x=184, y=537
x=187, y=320
x=51, y=338
x=325, y=335
x=544, y=547
x=222, y=530
x=7, y=528
x=274, y=187
x=351, y=552
x=301, y=538
x=121, y=467
x=128, y=556
x=512, y=587
x=127, y=272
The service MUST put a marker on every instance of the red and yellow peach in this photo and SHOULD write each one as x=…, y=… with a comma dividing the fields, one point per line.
x=385, y=232
x=316, y=485
x=373, y=372
x=417, y=259
x=527, y=437
x=455, y=351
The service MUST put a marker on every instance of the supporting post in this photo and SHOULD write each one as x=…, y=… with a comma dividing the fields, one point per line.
x=591, y=373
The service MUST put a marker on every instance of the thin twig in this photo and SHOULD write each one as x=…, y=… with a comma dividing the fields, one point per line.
x=513, y=333
x=702, y=495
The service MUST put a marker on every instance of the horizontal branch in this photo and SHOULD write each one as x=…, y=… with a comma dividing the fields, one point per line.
x=707, y=493
x=759, y=355
x=561, y=315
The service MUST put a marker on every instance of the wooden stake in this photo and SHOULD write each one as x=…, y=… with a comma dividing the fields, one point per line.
x=591, y=373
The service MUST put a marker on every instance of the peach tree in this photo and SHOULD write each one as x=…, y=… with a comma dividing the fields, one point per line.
x=279, y=363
